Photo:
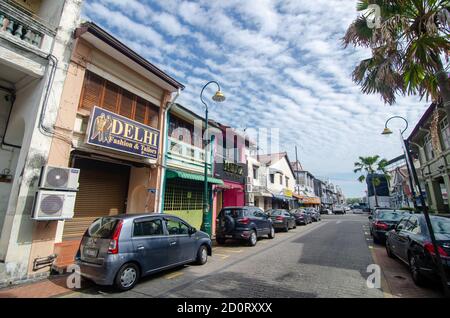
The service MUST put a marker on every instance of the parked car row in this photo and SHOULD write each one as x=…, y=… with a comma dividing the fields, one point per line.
x=247, y=223
x=407, y=238
x=119, y=250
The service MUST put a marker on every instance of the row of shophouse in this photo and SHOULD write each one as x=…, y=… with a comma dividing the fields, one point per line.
x=429, y=143
x=76, y=100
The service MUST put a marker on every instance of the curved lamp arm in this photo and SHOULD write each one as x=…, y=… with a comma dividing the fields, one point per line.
x=400, y=117
x=201, y=93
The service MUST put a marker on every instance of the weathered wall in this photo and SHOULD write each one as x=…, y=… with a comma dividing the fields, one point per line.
x=19, y=231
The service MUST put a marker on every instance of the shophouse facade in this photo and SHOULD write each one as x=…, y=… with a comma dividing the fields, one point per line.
x=430, y=139
x=280, y=179
x=35, y=45
x=230, y=165
x=257, y=191
x=183, y=185
x=108, y=126
x=305, y=187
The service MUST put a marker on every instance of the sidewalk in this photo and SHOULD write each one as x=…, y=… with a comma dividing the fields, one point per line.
x=398, y=278
x=45, y=288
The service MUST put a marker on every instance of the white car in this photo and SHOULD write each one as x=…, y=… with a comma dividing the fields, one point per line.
x=339, y=209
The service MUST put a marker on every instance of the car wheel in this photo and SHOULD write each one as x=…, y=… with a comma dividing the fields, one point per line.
x=295, y=225
x=416, y=275
x=388, y=250
x=202, y=255
x=272, y=233
x=286, y=229
x=220, y=241
x=127, y=277
x=252, y=239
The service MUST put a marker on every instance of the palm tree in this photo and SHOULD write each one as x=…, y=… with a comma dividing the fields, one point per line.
x=410, y=46
x=370, y=166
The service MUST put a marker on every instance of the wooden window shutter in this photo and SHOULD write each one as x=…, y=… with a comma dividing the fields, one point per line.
x=152, y=115
x=92, y=91
x=110, y=97
x=126, y=104
x=141, y=109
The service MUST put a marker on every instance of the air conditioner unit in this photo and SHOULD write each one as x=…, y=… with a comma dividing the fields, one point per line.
x=59, y=178
x=53, y=205
x=248, y=188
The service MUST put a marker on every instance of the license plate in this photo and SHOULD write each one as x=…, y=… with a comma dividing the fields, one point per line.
x=91, y=252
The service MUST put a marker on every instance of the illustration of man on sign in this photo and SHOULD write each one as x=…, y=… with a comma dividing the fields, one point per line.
x=102, y=128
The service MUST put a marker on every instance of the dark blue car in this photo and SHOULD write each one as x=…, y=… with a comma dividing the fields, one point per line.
x=118, y=250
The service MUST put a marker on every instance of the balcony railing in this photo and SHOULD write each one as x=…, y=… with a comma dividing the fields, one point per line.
x=23, y=26
x=181, y=153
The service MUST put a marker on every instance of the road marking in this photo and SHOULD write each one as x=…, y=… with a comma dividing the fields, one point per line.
x=223, y=256
x=338, y=222
x=232, y=251
x=367, y=233
x=173, y=275
x=371, y=247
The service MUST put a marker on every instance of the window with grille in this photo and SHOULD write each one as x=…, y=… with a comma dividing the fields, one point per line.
x=183, y=195
x=445, y=133
x=98, y=91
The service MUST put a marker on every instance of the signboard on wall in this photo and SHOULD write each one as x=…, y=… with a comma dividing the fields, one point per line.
x=113, y=131
x=231, y=171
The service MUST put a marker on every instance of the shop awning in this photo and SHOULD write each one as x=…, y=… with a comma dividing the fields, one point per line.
x=172, y=174
x=306, y=200
x=282, y=197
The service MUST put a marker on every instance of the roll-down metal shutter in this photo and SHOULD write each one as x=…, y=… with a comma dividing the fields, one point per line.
x=103, y=191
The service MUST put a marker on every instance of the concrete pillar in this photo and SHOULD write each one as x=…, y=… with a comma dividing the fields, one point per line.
x=431, y=195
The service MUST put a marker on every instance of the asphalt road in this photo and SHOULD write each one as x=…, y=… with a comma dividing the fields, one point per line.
x=324, y=259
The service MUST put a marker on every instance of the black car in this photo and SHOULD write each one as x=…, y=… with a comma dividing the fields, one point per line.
x=282, y=219
x=410, y=242
x=383, y=221
x=301, y=217
x=243, y=223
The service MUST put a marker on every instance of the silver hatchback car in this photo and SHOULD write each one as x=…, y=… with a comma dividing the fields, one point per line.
x=118, y=250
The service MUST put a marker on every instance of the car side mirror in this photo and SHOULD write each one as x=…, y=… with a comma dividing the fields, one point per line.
x=192, y=230
x=370, y=217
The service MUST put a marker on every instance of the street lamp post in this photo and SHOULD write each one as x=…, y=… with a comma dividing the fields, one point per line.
x=412, y=170
x=207, y=218
x=387, y=131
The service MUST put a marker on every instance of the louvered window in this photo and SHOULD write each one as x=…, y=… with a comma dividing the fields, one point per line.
x=98, y=91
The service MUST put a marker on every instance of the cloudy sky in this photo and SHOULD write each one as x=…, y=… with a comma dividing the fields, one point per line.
x=281, y=65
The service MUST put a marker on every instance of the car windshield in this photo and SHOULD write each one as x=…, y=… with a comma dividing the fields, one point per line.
x=441, y=225
x=390, y=215
x=235, y=213
x=102, y=228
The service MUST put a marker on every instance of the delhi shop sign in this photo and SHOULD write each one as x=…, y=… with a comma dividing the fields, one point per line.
x=113, y=131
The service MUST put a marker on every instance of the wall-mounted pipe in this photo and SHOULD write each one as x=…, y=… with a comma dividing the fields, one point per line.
x=12, y=93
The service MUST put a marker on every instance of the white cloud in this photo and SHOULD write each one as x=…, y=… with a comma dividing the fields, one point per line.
x=280, y=64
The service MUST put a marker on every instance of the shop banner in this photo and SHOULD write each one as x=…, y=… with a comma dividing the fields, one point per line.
x=113, y=131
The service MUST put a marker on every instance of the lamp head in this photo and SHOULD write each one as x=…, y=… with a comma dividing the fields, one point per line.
x=386, y=131
x=218, y=97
